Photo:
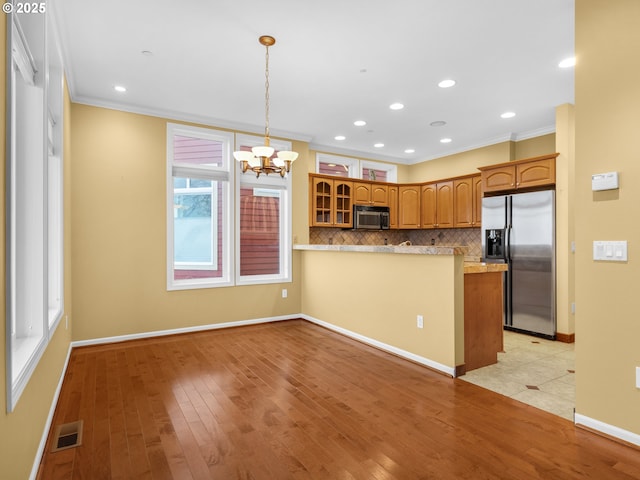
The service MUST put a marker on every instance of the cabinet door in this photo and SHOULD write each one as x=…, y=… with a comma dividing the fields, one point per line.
x=536, y=173
x=361, y=193
x=477, y=200
x=379, y=195
x=321, y=203
x=444, y=205
x=463, y=202
x=428, y=206
x=342, y=203
x=499, y=179
x=409, y=206
x=393, y=206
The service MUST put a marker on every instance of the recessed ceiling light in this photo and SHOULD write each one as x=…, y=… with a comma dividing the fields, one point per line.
x=568, y=62
x=508, y=115
x=379, y=145
x=438, y=123
x=339, y=137
x=359, y=123
x=445, y=140
x=409, y=150
x=119, y=88
x=147, y=53
x=447, y=83
x=396, y=106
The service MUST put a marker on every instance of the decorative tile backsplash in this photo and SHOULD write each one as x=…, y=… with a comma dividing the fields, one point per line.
x=460, y=237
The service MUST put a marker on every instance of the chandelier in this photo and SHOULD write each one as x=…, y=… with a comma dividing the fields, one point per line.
x=261, y=159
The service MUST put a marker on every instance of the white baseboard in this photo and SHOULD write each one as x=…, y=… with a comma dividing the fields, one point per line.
x=175, y=331
x=47, y=425
x=610, y=430
x=383, y=346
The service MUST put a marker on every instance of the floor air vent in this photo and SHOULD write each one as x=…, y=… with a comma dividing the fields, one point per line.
x=68, y=435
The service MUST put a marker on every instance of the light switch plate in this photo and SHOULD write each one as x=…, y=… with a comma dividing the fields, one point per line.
x=610, y=251
x=637, y=377
x=604, y=181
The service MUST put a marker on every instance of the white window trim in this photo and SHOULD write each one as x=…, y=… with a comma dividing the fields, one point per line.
x=223, y=173
x=24, y=353
x=328, y=158
x=270, y=182
x=391, y=169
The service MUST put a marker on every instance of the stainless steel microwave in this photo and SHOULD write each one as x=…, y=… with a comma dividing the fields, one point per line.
x=370, y=217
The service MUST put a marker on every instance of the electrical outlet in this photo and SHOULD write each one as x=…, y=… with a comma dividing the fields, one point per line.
x=420, y=321
x=573, y=308
x=284, y=293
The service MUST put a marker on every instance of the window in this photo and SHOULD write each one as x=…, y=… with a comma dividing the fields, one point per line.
x=264, y=222
x=350, y=167
x=35, y=289
x=204, y=202
x=335, y=165
x=380, y=172
x=198, y=207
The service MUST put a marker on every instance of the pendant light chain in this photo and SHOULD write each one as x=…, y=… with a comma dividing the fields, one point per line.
x=266, y=97
x=261, y=157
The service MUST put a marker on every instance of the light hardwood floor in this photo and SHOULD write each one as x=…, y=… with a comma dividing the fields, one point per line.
x=291, y=400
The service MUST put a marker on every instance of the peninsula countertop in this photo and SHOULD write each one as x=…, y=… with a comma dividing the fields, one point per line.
x=469, y=266
x=408, y=249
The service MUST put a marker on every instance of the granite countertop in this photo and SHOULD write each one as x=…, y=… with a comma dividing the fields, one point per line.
x=409, y=249
x=481, y=267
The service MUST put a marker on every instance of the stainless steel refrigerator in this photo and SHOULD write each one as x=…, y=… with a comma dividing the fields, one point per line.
x=519, y=230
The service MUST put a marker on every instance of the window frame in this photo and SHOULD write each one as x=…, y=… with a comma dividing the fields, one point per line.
x=222, y=174
x=352, y=163
x=35, y=228
x=357, y=166
x=270, y=182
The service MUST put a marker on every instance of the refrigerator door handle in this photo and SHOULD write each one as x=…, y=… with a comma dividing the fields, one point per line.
x=507, y=251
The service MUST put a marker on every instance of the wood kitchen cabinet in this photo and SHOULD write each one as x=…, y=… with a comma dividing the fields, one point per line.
x=477, y=200
x=520, y=174
x=331, y=203
x=370, y=194
x=393, y=206
x=437, y=205
x=409, y=206
x=467, y=201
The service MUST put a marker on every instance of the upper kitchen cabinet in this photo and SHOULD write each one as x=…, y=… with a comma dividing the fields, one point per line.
x=393, y=206
x=520, y=174
x=370, y=194
x=409, y=206
x=330, y=202
x=467, y=201
x=437, y=205
x=477, y=200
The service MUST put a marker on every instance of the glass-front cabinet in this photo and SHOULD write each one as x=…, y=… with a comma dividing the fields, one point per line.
x=331, y=202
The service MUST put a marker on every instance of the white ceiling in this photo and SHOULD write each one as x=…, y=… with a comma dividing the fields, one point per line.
x=334, y=62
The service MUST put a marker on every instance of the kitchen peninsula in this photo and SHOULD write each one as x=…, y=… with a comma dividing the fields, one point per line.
x=377, y=294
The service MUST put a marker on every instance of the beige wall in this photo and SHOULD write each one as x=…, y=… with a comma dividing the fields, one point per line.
x=607, y=105
x=379, y=295
x=534, y=147
x=565, y=215
x=22, y=429
x=119, y=236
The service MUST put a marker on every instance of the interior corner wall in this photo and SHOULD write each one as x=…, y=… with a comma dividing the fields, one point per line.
x=119, y=237
x=536, y=146
x=607, y=116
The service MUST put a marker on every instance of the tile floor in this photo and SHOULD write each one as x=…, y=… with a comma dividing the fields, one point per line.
x=533, y=370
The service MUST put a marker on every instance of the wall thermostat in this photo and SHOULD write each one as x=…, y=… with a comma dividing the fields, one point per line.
x=604, y=181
